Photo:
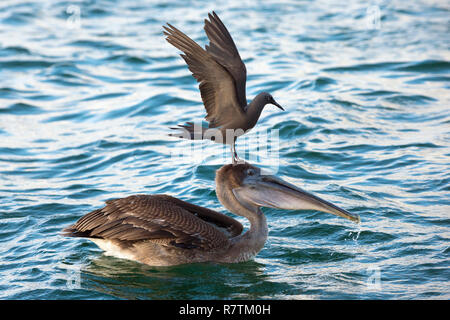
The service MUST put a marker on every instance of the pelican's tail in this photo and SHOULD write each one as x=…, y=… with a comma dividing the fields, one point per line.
x=193, y=131
x=73, y=232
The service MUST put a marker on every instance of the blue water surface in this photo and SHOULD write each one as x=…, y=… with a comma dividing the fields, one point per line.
x=89, y=89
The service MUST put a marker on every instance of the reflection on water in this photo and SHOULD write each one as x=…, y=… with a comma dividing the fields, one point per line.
x=130, y=280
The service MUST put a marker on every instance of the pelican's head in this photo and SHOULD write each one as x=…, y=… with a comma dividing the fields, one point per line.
x=268, y=99
x=245, y=185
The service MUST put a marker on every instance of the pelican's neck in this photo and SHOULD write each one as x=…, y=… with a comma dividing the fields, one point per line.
x=247, y=245
x=255, y=108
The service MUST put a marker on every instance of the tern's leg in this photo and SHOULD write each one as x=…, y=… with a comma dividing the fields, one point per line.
x=234, y=154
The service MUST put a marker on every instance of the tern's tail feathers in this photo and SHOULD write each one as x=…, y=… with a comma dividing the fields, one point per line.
x=189, y=131
x=193, y=131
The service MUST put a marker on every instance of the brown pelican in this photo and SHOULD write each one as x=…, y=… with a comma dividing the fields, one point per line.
x=161, y=230
x=222, y=76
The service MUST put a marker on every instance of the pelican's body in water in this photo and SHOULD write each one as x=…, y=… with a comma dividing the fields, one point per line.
x=160, y=230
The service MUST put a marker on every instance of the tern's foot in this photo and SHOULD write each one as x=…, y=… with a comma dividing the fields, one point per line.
x=237, y=160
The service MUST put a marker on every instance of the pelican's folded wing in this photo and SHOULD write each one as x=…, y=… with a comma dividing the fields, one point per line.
x=159, y=218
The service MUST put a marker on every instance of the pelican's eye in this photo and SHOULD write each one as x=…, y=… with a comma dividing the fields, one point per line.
x=250, y=172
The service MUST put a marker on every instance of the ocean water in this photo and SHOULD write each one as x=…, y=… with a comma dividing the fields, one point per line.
x=89, y=89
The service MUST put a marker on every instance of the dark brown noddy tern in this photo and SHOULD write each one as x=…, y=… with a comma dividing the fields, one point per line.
x=222, y=76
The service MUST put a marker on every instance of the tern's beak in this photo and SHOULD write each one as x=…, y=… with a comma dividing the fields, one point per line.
x=272, y=192
x=276, y=104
